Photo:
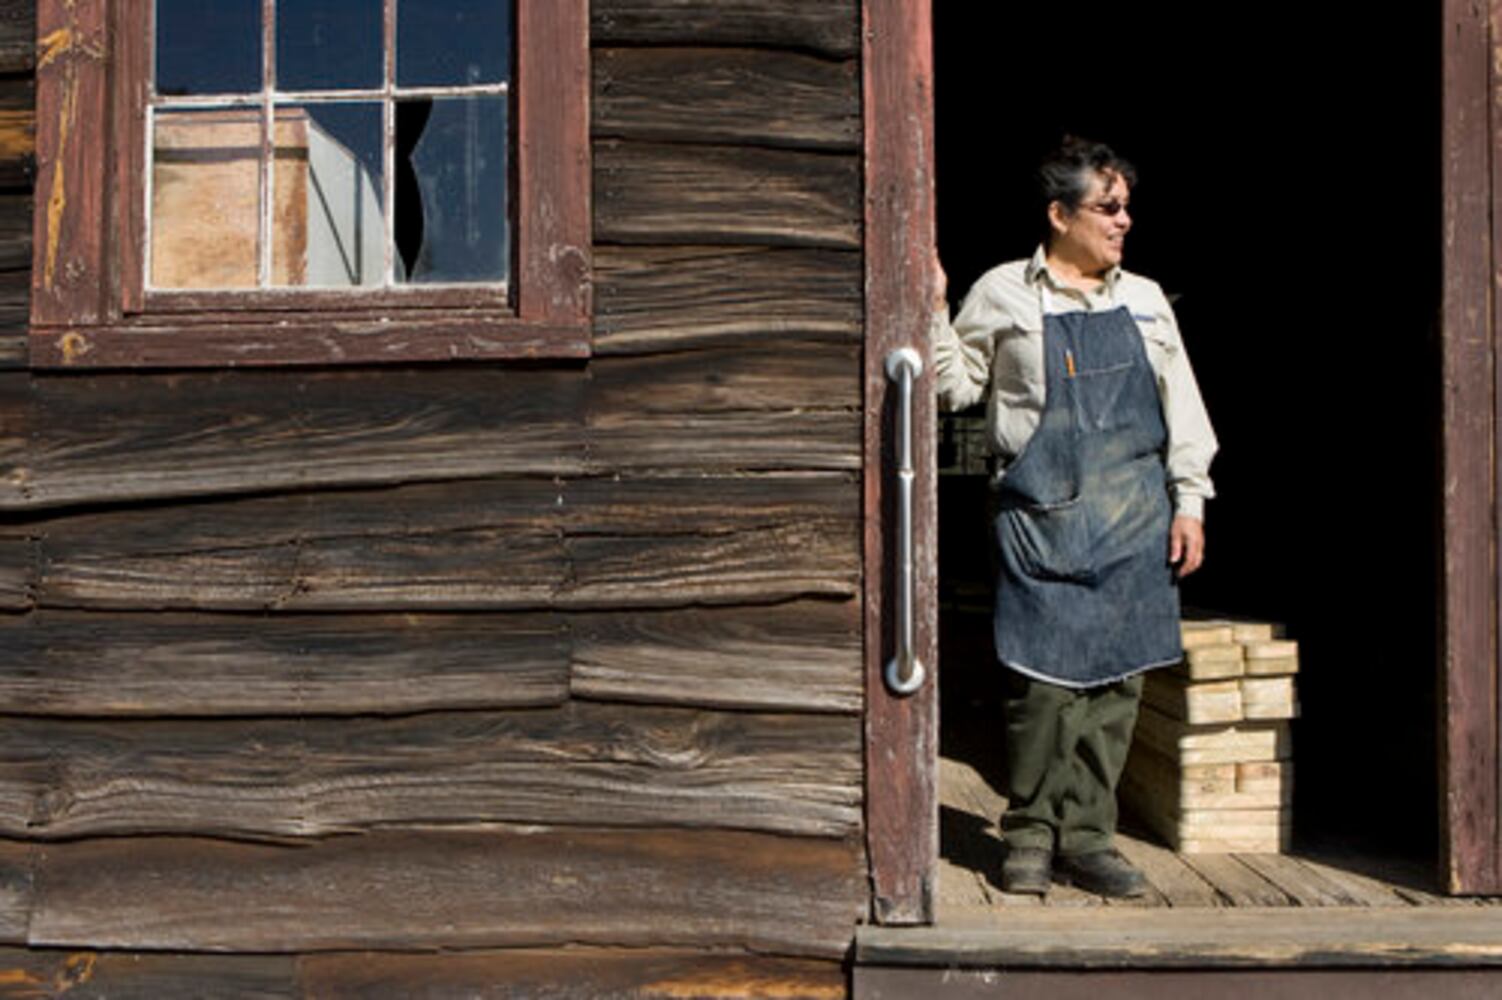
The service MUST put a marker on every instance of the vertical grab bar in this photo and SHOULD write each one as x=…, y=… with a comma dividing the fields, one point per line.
x=904, y=672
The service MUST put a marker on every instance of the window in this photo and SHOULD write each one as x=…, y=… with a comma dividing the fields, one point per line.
x=310, y=181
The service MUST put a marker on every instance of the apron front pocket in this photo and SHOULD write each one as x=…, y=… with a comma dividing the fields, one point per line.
x=1048, y=543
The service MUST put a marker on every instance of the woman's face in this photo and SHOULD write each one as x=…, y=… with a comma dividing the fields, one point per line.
x=1093, y=234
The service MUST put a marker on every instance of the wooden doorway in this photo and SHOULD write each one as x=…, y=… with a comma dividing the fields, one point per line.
x=1291, y=199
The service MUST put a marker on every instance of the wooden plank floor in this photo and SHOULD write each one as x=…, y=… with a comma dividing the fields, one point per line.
x=970, y=859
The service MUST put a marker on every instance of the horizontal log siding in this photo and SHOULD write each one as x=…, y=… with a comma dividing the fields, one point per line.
x=829, y=29
x=488, y=544
x=580, y=763
x=371, y=617
x=513, y=974
x=420, y=890
x=802, y=656
x=111, y=439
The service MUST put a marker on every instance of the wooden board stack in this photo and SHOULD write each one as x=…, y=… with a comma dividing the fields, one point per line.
x=1211, y=763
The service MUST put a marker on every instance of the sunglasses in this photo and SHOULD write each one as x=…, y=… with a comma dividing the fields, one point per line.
x=1111, y=208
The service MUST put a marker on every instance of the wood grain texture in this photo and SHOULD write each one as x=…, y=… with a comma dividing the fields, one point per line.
x=560, y=974
x=743, y=408
x=15, y=307
x=64, y=663
x=1418, y=983
x=830, y=29
x=17, y=129
x=746, y=377
x=902, y=732
x=650, y=299
x=18, y=557
x=17, y=36
x=799, y=656
x=681, y=193
x=739, y=96
x=726, y=442
x=16, y=233
x=527, y=887
x=574, y=764
x=803, y=656
x=303, y=338
x=1223, y=937
x=1469, y=746
x=111, y=439
x=487, y=544
x=17, y=868
x=551, y=158
x=573, y=974
x=69, y=282
x=98, y=439
x=93, y=975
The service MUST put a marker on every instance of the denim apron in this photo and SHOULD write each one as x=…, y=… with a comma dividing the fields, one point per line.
x=1085, y=594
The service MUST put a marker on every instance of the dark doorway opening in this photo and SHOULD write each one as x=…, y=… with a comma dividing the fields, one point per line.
x=1290, y=198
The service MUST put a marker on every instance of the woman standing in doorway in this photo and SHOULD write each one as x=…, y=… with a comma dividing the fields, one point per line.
x=1102, y=450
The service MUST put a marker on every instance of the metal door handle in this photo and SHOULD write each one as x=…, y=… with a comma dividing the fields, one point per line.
x=904, y=672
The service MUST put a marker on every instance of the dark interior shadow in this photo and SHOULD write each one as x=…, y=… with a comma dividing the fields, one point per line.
x=968, y=841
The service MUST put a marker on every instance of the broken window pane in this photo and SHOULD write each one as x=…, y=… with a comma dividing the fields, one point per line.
x=452, y=42
x=329, y=44
x=205, y=198
x=451, y=179
x=326, y=219
x=208, y=48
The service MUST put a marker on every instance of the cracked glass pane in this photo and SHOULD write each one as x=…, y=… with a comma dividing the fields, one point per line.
x=451, y=180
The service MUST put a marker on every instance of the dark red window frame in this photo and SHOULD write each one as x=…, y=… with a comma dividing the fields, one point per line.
x=89, y=308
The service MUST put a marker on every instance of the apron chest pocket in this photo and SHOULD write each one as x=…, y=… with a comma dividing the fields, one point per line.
x=1048, y=543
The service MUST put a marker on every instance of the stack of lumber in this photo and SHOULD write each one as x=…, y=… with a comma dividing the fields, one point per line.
x=1211, y=763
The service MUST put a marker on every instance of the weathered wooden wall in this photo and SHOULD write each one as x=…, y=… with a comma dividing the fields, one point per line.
x=478, y=657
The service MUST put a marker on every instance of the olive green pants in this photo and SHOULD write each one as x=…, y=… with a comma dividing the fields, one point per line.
x=1065, y=751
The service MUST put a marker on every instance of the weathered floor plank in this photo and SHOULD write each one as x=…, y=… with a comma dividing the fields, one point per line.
x=805, y=656
x=665, y=298
x=1235, y=882
x=531, y=887
x=1306, y=886
x=1223, y=937
x=829, y=28
x=579, y=764
x=753, y=96
x=683, y=193
x=72, y=663
x=1176, y=882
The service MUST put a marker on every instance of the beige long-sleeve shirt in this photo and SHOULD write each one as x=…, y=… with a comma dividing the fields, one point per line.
x=996, y=343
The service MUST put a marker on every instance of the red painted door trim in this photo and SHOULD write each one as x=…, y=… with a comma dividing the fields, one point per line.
x=902, y=815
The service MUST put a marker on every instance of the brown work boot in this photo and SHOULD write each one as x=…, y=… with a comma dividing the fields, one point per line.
x=1027, y=870
x=1104, y=873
